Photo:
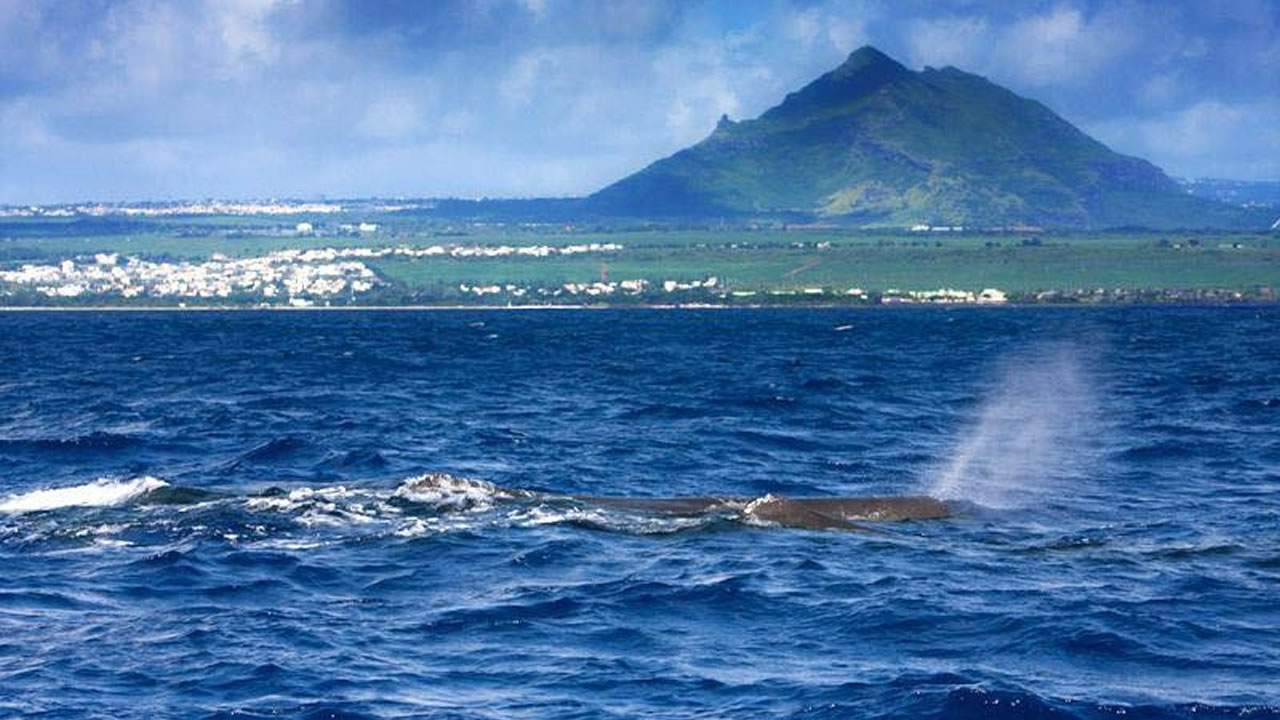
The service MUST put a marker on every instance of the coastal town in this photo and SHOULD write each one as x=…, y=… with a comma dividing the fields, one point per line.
x=280, y=277
x=172, y=209
x=297, y=278
x=344, y=276
x=296, y=254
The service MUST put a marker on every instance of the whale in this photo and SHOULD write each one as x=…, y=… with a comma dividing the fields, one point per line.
x=445, y=492
x=815, y=513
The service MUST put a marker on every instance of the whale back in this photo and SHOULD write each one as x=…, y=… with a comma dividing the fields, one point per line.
x=892, y=508
x=803, y=512
x=816, y=513
x=839, y=513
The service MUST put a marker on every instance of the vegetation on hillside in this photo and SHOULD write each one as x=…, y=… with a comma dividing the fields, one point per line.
x=873, y=143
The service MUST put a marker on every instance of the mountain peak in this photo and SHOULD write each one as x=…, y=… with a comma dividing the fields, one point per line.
x=872, y=142
x=865, y=71
x=867, y=58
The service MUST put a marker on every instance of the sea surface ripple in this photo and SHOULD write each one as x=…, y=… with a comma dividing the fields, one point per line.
x=223, y=514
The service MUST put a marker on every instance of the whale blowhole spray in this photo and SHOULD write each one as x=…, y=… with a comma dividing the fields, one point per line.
x=1029, y=436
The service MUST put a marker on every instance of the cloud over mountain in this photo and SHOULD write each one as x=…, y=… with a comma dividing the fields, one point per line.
x=141, y=98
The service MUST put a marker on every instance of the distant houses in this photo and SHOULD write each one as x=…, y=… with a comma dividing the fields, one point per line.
x=301, y=277
x=936, y=228
x=291, y=277
x=945, y=296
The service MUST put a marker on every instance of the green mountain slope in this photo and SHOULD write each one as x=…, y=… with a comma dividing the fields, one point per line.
x=874, y=143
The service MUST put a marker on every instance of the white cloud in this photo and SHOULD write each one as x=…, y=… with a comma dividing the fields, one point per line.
x=702, y=86
x=245, y=38
x=392, y=117
x=146, y=42
x=627, y=18
x=1160, y=89
x=537, y=7
x=521, y=80
x=1268, y=59
x=846, y=35
x=23, y=127
x=1064, y=47
x=840, y=27
x=1049, y=45
x=456, y=123
x=526, y=90
x=1196, y=130
x=1060, y=27
x=803, y=27
x=960, y=41
x=1194, y=49
x=1209, y=138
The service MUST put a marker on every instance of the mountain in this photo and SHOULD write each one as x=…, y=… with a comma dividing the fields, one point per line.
x=874, y=143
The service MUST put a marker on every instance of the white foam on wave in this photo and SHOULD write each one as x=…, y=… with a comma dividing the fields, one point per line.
x=604, y=519
x=420, y=527
x=102, y=492
x=300, y=498
x=339, y=507
x=447, y=492
x=293, y=543
x=335, y=506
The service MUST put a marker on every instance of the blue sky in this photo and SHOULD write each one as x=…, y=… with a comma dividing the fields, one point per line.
x=138, y=99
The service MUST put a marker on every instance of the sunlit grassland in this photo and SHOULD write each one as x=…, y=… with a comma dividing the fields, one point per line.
x=1012, y=269
x=740, y=258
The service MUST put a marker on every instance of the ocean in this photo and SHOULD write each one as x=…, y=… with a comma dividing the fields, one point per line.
x=381, y=514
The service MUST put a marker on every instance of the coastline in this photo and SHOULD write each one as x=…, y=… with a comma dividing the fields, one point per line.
x=419, y=308
x=18, y=309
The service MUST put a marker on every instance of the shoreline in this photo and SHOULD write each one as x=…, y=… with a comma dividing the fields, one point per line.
x=599, y=307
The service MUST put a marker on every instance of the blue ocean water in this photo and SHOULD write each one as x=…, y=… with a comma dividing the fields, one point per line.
x=222, y=514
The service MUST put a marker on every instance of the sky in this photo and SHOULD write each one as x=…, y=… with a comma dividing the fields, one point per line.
x=118, y=100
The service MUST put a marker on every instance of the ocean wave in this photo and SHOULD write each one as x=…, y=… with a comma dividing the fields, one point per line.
x=608, y=520
x=448, y=492
x=277, y=448
x=980, y=702
x=666, y=411
x=426, y=504
x=99, y=493
x=352, y=459
x=422, y=504
x=97, y=440
x=779, y=440
x=1075, y=582
x=333, y=506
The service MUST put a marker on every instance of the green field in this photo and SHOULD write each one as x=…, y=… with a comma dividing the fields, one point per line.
x=742, y=259
x=874, y=268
